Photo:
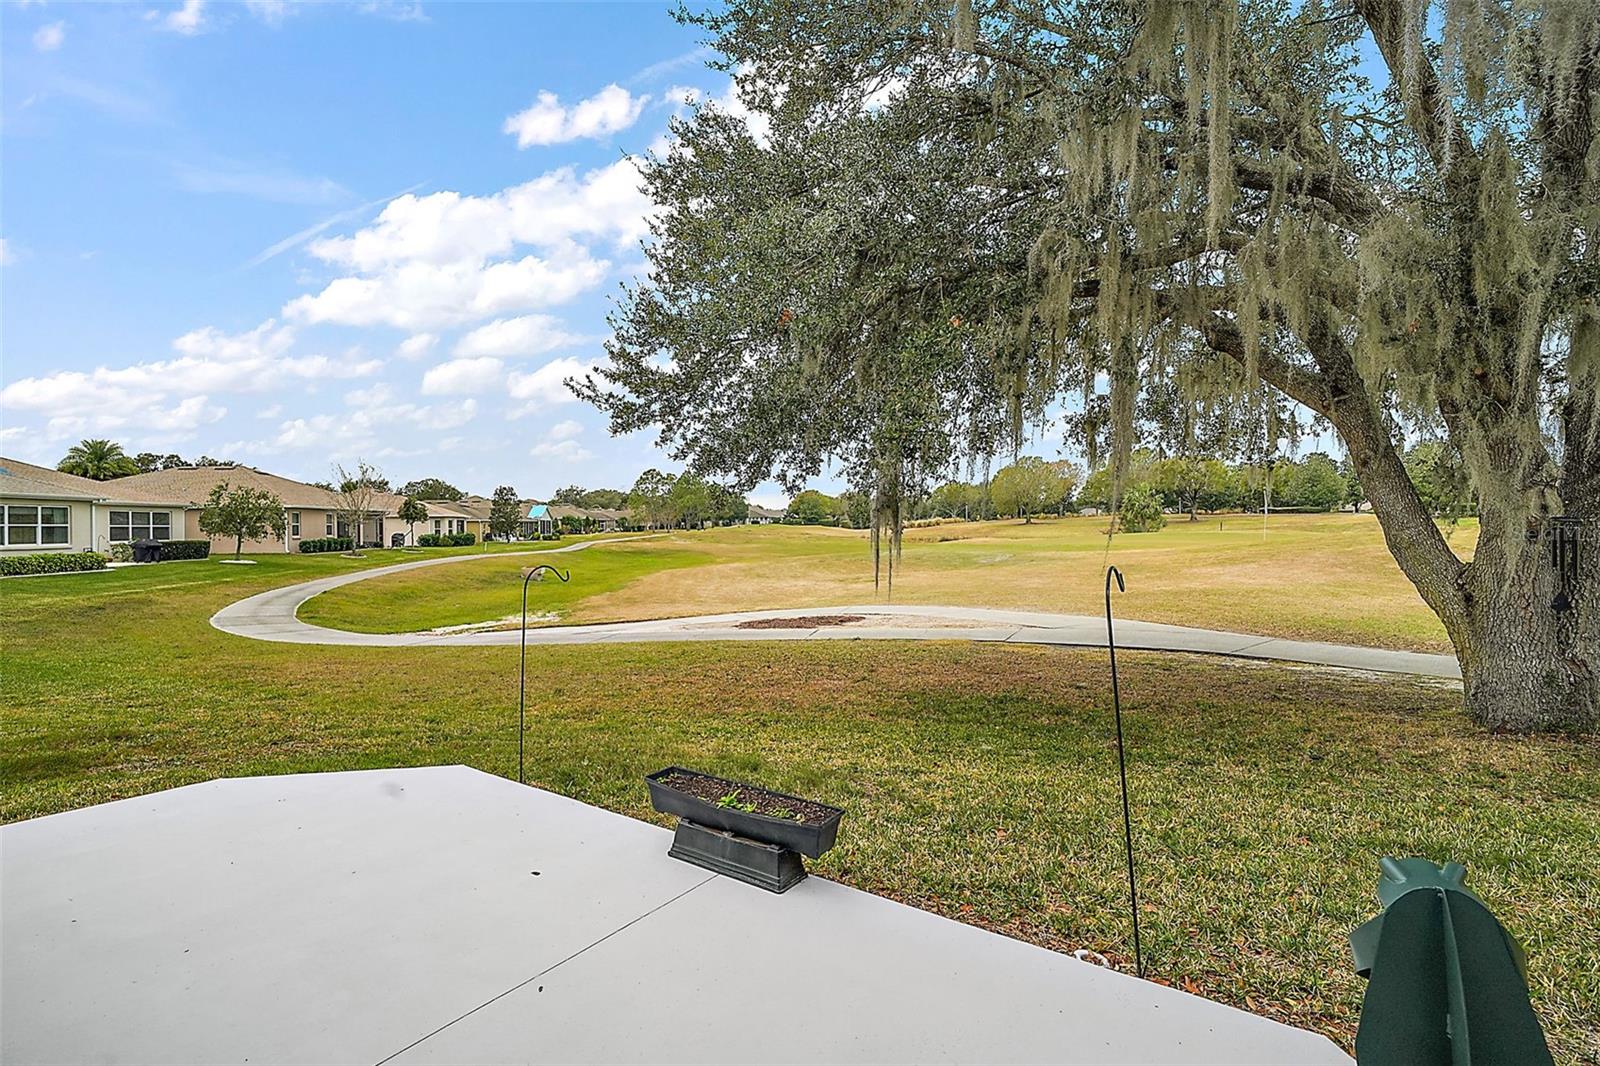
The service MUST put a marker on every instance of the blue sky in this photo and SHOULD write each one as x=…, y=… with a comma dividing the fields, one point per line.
x=293, y=235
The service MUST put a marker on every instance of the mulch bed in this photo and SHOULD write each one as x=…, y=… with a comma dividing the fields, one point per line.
x=805, y=621
x=749, y=797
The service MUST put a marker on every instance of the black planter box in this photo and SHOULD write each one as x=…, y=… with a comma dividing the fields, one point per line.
x=810, y=839
x=764, y=865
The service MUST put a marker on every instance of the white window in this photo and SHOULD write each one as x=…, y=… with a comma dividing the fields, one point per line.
x=436, y=526
x=329, y=517
x=35, y=525
x=294, y=523
x=129, y=526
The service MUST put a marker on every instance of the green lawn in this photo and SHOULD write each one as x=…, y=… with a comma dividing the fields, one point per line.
x=492, y=589
x=979, y=780
x=1314, y=577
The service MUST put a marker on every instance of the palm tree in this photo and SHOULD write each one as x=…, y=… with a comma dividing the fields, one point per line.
x=101, y=460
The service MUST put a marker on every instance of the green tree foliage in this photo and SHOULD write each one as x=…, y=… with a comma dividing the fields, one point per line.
x=505, y=513
x=1441, y=479
x=853, y=509
x=570, y=496
x=689, y=501
x=956, y=214
x=148, y=462
x=101, y=460
x=1140, y=511
x=411, y=511
x=650, y=500
x=1031, y=486
x=1313, y=484
x=431, y=488
x=811, y=508
x=605, y=499
x=243, y=513
x=959, y=499
x=727, y=507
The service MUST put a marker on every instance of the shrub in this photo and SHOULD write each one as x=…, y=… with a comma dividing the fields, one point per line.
x=326, y=544
x=120, y=553
x=1141, y=511
x=51, y=563
x=446, y=540
x=185, y=549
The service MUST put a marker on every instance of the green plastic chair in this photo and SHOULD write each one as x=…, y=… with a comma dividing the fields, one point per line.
x=1447, y=984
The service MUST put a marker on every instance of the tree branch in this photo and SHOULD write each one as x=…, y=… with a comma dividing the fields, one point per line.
x=1386, y=20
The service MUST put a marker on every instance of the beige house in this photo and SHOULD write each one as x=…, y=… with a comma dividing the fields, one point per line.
x=45, y=510
x=310, y=511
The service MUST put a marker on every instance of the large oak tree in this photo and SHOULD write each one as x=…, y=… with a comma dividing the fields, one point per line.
x=1385, y=211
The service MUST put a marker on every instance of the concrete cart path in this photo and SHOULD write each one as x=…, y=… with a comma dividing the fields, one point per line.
x=271, y=616
x=442, y=914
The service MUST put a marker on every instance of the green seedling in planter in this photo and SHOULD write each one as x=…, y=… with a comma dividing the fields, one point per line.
x=784, y=812
x=732, y=800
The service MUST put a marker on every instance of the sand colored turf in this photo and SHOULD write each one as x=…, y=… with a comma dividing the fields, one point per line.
x=1312, y=577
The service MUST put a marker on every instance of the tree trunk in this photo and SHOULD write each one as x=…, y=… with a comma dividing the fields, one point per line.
x=1529, y=640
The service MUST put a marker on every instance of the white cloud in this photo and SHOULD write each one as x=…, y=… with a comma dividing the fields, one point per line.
x=187, y=20
x=362, y=429
x=608, y=111
x=459, y=376
x=730, y=102
x=274, y=411
x=567, y=451
x=446, y=259
x=171, y=395
x=561, y=442
x=509, y=338
x=420, y=295
x=416, y=346
x=546, y=386
x=271, y=12
x=564, y=430
x=7, y=256
x=48, y=38
x=550, y=211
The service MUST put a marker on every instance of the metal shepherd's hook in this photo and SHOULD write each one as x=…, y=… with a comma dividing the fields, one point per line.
x=1122, y=769
x=528, y=574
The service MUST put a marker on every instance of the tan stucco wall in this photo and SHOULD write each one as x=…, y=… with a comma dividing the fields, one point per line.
x=80, y=532
x=313, y=526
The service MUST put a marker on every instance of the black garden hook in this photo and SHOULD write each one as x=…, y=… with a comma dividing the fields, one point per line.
x=1122, y=769
x=522, y=667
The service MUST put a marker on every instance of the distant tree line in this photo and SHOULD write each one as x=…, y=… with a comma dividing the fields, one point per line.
x=105, y=460
x=683, y=501
x=1317, y=482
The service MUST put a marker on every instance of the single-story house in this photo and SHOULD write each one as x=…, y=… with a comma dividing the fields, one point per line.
x=763, y=516
x=45, y=510
x=310, y=511
x=538, y=522
x=587, y=519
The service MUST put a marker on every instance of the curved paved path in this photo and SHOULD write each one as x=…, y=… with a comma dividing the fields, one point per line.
x=271, y=616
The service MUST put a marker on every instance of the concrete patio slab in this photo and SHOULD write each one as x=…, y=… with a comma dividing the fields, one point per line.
x=445, y=915
x=824, y=973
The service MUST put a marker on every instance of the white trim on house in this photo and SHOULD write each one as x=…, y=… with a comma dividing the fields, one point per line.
x=15, y=521
x=133, y=529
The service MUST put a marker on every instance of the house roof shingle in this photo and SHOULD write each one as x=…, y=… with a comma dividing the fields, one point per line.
x=192, y=484
x=18, y=478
